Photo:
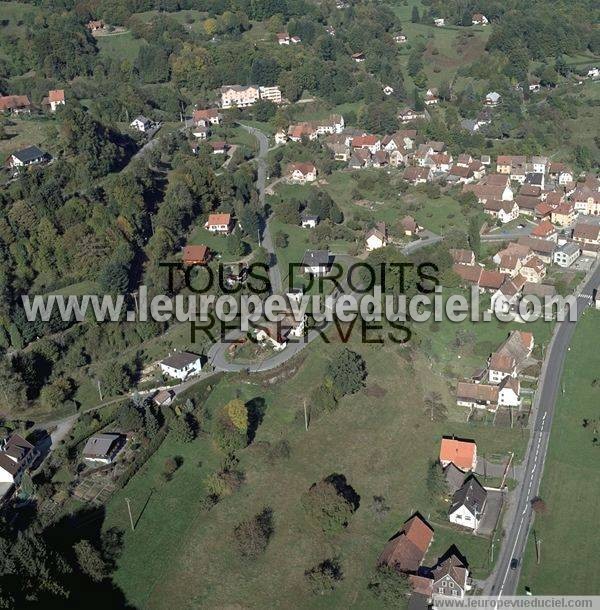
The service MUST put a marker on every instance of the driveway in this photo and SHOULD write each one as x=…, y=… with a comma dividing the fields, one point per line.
x=493, y=507
x=426, y=238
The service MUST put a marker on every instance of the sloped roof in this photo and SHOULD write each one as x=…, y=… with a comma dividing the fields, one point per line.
x=180, y=360
x=12, y=102
x=56, y=95
x=218, y=219
x=316, y=258
x=460, y=452
x=195, y=253
x=462, y=256
x=99, y=445
x=28, y=154
x=477, y=391
x=453, y=567
x=406, y=551
x=471, y=495
x=454, y=476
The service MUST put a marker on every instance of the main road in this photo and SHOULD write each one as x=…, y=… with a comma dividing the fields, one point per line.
x=505, y=577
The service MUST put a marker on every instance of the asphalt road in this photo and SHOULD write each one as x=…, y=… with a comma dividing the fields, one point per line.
x=508, y=236
x=504, y=580
x=261, y=183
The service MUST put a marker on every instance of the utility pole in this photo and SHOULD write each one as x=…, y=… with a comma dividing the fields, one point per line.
x=506, y=470
x=130, y=517
x=538, y=548
x=305, y=417
x=492, y=554
x=99, y=389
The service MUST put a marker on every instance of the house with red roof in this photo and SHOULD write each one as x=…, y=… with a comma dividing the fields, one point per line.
x=301, y=173
x=196, y=255
x=461, y=453
x=407, y=549
x=206, y=117
x=219, y=223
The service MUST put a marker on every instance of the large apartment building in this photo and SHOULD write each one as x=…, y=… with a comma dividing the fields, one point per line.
x=243, y=96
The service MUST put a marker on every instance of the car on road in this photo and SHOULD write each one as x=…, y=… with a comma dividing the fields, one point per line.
x=514, y=563
x=521, y=226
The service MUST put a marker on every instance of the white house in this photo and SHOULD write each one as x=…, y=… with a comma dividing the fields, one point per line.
x=316, y=262
x=479, y=19
x=439, y=22
x=308, y=221
x=141, y=123
x=209, y=116
x=566, y=255
x=32, y=155
x=431, y=97
x=16, y=456
x=277, y=334
x=376, y=237
x=219, y=223
x=181, y=365
x=493, y=98
x=504, y=211
x=538, y=165
x=302, y=172
x=56, y=98
x=280, y=137
x=468, y=504
x=450, y=579
x=509, y=392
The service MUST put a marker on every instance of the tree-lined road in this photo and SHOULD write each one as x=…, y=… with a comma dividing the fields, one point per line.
x=261, y=185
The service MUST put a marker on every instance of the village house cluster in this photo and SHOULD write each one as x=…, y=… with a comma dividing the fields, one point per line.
x=471, y=506
x=497, y=384
x=21, y=105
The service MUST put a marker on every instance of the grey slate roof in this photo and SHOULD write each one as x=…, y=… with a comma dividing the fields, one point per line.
x=454, y=476
x=471, y=495
x=100, y=445
x=29, y=154
x=316, y=258
x=180, y=360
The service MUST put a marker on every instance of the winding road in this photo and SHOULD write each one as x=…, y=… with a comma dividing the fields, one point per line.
x=261, y=184
x=504, y=578
x=518, y=519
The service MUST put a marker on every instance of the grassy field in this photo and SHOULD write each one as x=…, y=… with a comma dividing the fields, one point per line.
x=380, y=188
x=27, y=132
x=380, y=439
x=14, y=13
x=120, y=46
x=571, y=479
x=577, y=130
x=216, y=243
x=447, y=48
